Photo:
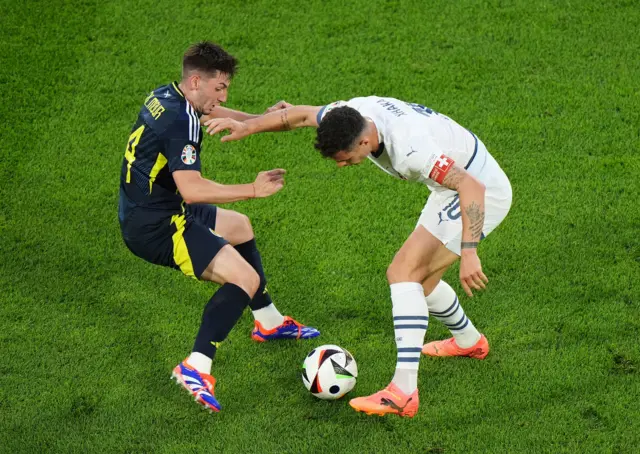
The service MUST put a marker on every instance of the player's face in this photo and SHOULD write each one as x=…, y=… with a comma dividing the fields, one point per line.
x=212, y=91
x=352, y=158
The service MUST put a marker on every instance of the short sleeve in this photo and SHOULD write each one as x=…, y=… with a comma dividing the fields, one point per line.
x=328, y=108
x=182, y=145
x=424, y=160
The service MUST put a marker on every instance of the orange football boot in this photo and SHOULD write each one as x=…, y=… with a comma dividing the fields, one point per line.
x=389, y=400
x=449, y=347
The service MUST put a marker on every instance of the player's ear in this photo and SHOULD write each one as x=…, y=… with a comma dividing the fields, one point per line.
x=195, y=81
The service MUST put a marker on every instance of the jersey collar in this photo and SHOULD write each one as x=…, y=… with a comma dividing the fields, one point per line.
x=176, y=88
x=376, y=154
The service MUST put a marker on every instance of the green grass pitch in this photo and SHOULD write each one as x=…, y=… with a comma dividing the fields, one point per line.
x=89, y=333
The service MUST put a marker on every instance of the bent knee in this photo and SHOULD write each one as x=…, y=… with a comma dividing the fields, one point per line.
x=244, y=223
x=243, y=228
x=397, y=272
x=403, y=271
x=249, y=281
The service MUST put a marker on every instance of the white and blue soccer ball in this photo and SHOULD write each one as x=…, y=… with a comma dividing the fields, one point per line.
x=329, y=372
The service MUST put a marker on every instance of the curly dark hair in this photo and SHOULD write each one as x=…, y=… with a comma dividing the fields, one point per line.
x=210, y=58
x=339, y=130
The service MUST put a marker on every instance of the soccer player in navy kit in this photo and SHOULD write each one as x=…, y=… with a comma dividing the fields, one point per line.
x=167, y=216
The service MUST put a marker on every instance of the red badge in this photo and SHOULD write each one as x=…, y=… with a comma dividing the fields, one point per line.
x=440, y=170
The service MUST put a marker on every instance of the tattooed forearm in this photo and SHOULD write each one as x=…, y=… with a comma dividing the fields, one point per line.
x=453, y=178
x=476, y=219
x=284, y=118
x=470, y=192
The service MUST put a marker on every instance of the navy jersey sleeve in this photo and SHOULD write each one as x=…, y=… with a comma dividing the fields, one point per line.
x=182, y=143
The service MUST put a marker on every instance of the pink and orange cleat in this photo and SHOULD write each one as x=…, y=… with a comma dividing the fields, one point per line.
x=449, y=347
x=389, y=400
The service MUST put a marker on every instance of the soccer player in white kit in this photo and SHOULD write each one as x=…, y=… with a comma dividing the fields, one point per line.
x=470, y=196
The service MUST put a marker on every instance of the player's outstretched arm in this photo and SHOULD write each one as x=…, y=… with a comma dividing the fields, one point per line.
x=279, y=120
x=195, y=189
x=225, y=112
x=471, y=192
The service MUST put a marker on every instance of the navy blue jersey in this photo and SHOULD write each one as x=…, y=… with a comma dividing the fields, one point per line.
x=166, y=137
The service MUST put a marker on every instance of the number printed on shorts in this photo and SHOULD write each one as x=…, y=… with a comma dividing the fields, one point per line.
x=451, y=211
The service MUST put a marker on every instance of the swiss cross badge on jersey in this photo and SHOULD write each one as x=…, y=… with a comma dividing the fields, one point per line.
x=188, y=154
x=441, y=168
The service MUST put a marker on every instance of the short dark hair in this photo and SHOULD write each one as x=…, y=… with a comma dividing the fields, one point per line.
x=339, y=130
x=208, y=57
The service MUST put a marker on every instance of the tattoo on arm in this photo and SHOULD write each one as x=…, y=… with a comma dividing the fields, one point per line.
x=284, y=118
x=453, y=178
x=476, y=219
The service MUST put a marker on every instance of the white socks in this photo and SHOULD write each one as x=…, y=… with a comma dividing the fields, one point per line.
x=410, y=320
x=443, y=305
x=200, y=362
x=269, y=317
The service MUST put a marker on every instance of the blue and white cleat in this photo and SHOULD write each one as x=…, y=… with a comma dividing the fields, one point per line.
x=290, y=329
x=200, y=385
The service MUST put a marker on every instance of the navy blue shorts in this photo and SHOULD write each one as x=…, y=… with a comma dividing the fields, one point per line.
x=186, y=241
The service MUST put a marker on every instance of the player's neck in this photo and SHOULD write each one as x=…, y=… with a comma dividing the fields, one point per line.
x=372, y=135
x=187, y=93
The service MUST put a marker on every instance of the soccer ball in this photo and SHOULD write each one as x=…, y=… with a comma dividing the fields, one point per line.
x=329, y=372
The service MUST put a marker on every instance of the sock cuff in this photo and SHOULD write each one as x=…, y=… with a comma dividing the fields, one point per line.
x=233, y=292
x=247, y=246
x=408, y=301
x=404, y=287
x=442, y=292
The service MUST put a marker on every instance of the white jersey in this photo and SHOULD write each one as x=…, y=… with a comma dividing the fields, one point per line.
x=416, y=143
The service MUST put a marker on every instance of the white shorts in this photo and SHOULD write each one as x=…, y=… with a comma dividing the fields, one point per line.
x=441, y=215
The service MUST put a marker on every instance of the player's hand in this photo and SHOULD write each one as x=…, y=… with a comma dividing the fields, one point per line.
x=237, y=129
x=279, y=106
x=471, y=275
x=269, y=182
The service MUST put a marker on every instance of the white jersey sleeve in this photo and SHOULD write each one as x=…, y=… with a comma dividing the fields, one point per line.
x=328, y=108
x=424, y=161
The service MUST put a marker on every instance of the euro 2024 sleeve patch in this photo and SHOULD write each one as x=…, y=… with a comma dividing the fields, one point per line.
x=189, y=154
